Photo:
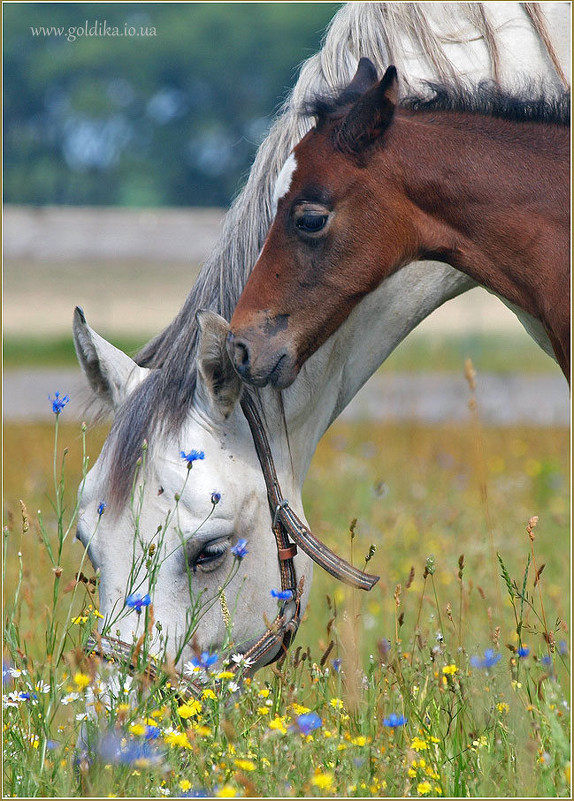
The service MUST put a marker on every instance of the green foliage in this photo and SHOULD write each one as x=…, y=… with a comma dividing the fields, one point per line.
x=171, y=116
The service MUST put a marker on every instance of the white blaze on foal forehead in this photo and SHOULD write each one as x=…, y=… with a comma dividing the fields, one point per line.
x=284, y=180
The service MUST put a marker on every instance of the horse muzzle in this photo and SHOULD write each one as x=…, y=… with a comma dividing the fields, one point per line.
x=261, y=360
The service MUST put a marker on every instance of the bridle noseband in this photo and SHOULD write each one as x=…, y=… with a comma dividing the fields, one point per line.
x=290, y=533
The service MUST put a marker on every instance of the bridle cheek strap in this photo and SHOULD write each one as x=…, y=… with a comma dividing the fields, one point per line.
x=286, y=525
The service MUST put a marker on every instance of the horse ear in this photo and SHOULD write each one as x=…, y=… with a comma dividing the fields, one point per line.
x=370, y=116
x=219, y=379
x=365, y=77
x=111, y=373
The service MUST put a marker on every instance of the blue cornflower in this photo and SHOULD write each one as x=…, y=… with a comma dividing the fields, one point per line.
x=101, y=508
x=58, y=403
x=215, y=498
x=393, y=721
x=151, y=732
x=563, y=647
x=136, y=600
x=196, y=792
x=489, y=660
x=282, y=595
x=191, y=457
x=546, y=660
x=523, y=651
x=337, y=664
x=308, y=722
x=240, y=549
x=205, y=661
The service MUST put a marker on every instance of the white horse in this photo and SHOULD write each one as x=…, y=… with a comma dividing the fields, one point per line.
x=181, y=393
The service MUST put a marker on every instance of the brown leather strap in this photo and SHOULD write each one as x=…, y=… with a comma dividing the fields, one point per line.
x=282, y=513
x=287, y=553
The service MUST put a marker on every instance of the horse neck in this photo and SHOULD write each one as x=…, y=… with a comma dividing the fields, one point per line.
x=331, y=378
x=490, y=198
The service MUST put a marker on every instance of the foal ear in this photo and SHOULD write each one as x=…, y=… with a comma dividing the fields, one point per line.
x=370, y=116
x=221, y=382
x=111, y=373
x=365, y=77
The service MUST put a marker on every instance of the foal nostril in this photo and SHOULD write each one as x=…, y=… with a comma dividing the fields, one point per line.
x=239, y=353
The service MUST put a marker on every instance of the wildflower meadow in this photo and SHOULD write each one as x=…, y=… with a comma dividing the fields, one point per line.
x=450, y=679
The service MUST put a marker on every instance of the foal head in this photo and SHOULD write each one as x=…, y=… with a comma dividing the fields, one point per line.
x=321, y=256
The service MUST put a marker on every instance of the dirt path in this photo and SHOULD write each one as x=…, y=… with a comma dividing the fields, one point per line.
x=430, y=398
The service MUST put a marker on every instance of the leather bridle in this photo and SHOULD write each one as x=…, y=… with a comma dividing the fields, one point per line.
x=290, y=534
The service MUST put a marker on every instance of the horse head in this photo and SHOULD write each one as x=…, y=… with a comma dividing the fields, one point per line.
x=299, y=293
x=177, y=540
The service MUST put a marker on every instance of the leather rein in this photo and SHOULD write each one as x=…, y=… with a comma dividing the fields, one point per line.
x=290, y=534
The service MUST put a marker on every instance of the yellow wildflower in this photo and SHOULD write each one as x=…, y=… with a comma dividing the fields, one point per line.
x=449, y=670
x=244, y=764
x=360, y=740
x=177, y=738
x=324, y=781
x=411, y=772
x=300, y=710
x=264, y=692
x=226, y=674
x=278, y=724
x=262, y=710
x=81, y=680
x=209, y=694
x=203, y=731
x=227, y=791
x=424, y=788
x=418, y=744
x=185, y=784
x=336, y=703
x=189, y=710
x=502, y=707
x=138, y=729
x=79, y=619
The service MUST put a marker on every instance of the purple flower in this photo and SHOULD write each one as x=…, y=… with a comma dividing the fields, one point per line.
x=489, y=660
x=215, y=498
x=205, y=661
x=337, y=664
x=282, y=595
x=58, y=403
x=101, y=508
x=393, y=721
x=523, y=651
x=136, y=600
x=308, y=722
x=240, y=549
x=191, y=457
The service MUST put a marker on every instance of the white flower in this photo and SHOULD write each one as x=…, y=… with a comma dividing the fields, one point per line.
x=242, y=660
x=42, y=687
x=67, y=699
x=82, y=716
x=16, y=672
x=189, y=669
x=11, y=699
x=233, y=687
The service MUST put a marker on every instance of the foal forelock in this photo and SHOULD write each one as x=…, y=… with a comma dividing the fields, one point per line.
x=375, y=30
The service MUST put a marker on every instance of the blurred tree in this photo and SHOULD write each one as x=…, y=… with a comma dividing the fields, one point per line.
x=168, y=112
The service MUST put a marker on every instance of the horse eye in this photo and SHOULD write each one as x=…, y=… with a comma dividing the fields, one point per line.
x=211, y=555
x=311, y=222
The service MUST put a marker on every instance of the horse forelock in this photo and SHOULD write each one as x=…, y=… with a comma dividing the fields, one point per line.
x=160, y=405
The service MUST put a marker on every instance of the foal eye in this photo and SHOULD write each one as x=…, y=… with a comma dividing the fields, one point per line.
x=311, y=222
x=211, y=555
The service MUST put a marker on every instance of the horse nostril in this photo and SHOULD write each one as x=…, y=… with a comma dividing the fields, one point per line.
x=239, y=353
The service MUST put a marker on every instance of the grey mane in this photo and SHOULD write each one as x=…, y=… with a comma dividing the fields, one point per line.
x=159, y=406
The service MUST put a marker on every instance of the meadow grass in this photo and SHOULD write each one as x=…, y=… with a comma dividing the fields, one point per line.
x=451, y=678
